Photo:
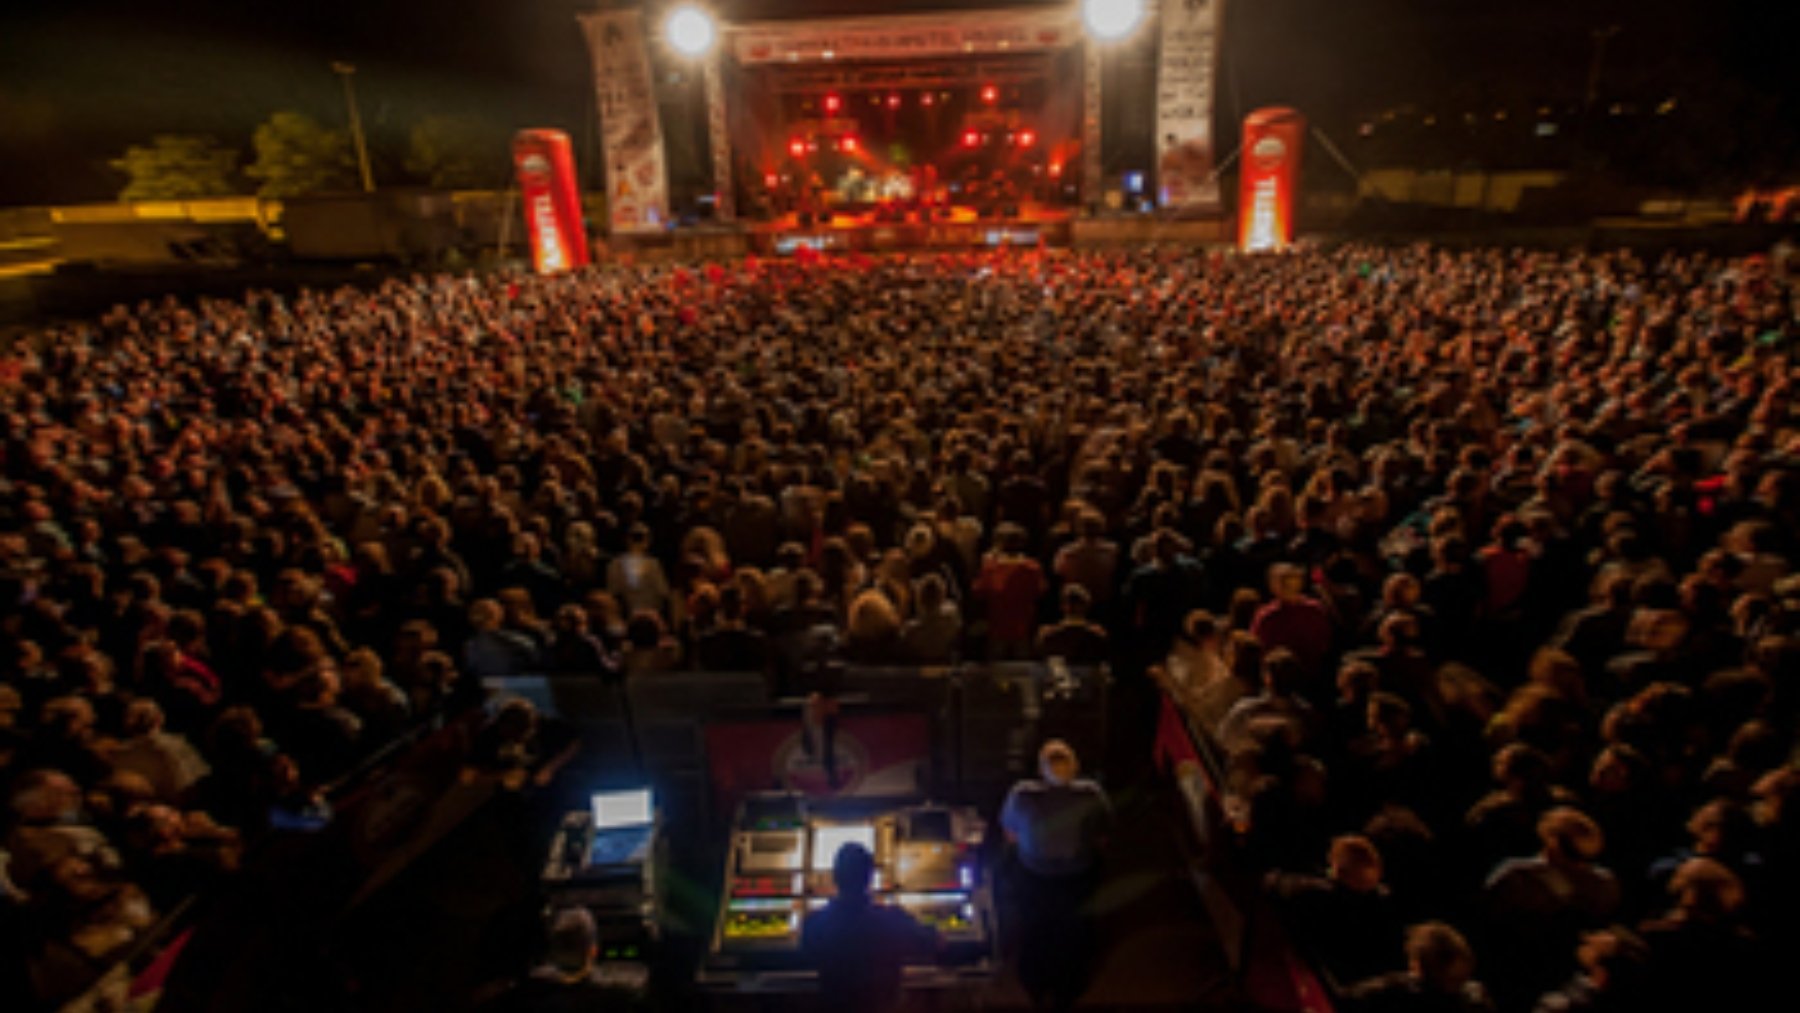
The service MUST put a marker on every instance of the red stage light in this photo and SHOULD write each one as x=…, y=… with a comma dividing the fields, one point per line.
x=990, y=94
x=971, y=139
x=797, y=148
x=833, y=104
x=1055, y=170
x=927, y=99
x=770, y=180
x=893, y=101
x=1027, y=138
x=849, y=145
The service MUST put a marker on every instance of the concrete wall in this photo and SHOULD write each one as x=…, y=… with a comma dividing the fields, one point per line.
x=1489, y=191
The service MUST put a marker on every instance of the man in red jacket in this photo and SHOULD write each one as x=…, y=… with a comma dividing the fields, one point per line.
x=1009, y=586
x=1296, y=621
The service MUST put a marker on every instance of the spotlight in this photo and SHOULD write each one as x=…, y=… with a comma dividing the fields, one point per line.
x=690, y=30
x=1027, y=138
x=971, y=139
x=893, y=101
x=849, y=144
x=927, y=99
x=990, y=94
x=1110, y=20
x=797, y=148
x=833, y=104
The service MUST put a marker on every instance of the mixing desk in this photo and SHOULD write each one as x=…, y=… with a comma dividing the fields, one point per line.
x=778, y=869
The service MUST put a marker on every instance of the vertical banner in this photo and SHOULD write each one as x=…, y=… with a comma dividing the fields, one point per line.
x=1092, y=186
x=1184, y=105
x=718, y=139
x=551, y=201
x=637, y=194
x=1270, y=179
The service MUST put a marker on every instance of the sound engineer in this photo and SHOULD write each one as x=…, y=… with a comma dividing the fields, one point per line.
x=858, y=946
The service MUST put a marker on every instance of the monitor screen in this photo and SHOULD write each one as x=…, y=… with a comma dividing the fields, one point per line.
x=827, y=839
x=615, y=809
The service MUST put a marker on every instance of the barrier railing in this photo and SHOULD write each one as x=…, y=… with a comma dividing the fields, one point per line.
x=984, y=718
x=1271, y=973
x=133, y=976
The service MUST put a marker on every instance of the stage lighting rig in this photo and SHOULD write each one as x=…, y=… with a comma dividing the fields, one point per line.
x=690, y=30
x=1111, y=20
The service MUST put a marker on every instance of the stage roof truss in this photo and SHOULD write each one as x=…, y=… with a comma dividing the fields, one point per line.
x=922, y=75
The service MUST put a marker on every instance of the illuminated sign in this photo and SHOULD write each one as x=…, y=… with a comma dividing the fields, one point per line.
x=552, y=205
x=1269, y=190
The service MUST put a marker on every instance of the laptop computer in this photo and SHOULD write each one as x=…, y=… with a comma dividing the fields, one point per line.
x=624, y=822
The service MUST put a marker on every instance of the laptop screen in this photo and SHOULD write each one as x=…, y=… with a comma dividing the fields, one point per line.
x=615, y=809
x=827, y=839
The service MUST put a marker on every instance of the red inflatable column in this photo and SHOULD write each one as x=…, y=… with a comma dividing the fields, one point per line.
x=551, y=201
x=1270, y=179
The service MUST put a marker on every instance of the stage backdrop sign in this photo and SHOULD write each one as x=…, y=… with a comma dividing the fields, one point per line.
x=1184, y=105
x=637, y=195
x=1270, y=179
x=550, y=200
x=906, y=36
x=875, y=755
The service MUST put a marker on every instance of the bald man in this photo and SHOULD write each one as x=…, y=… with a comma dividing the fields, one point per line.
x=1058, y=823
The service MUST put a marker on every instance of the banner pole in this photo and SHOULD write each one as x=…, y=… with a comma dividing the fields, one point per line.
x=1225, y=163
x=1338, y=156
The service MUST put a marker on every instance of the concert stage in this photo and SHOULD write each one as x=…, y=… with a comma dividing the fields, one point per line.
x=787, y=122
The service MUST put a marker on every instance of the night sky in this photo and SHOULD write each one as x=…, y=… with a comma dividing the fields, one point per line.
x=81, y=79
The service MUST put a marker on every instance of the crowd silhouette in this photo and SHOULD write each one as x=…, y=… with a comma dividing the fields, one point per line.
x=1477, y=564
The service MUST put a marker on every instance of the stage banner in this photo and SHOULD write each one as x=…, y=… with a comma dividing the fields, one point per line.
x=1184, y=105
x=637, y=194
x=903, y=36
x=552, y=204
x=874, y=754
x=1269, y=181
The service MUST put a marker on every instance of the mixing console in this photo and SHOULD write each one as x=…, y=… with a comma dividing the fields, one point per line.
x=778, y=870
x=762, y=920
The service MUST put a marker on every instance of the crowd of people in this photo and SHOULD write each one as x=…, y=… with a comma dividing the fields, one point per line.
x=1477, y=563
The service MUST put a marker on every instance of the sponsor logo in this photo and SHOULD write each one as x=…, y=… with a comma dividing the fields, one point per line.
x=799, y=767
x=551, y=256
x=1268, y=153
x=534, y=167
x=1262, y=215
